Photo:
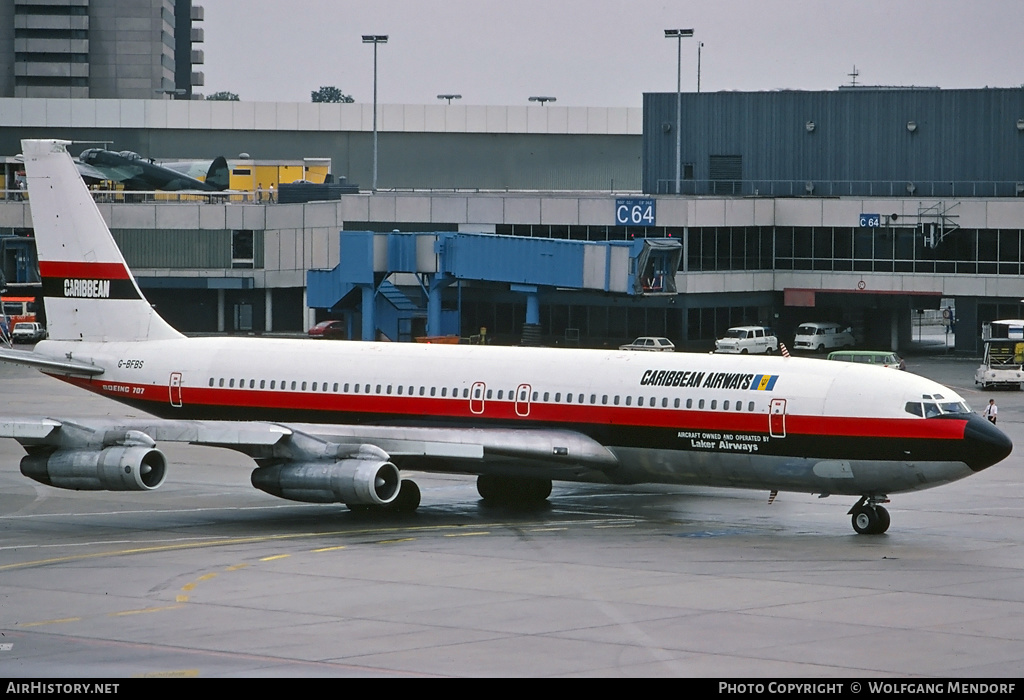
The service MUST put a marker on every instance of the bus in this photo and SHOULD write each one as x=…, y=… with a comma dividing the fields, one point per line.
x=18, y=309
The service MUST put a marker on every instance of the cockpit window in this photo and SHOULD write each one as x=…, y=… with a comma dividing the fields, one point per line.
x=931, y=409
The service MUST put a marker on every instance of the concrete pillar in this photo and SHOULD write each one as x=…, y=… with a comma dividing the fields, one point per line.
x=268, y=311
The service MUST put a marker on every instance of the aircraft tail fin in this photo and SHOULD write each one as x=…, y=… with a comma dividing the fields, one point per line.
x=89, y=292
x=219, y=176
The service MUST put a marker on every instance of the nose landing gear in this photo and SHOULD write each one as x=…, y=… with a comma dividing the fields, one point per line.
x=869, y=517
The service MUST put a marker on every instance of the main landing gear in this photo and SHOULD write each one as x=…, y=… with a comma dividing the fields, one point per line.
x=869, y=517
x=407, y=501
x=512, y=491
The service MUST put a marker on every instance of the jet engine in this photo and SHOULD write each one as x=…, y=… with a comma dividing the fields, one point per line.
x=121, y=468
x=349, y=481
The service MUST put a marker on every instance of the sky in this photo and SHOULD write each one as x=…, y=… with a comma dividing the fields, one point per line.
x=602, y=53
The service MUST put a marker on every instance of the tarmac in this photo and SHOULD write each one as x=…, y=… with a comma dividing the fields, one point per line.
x=207, y=577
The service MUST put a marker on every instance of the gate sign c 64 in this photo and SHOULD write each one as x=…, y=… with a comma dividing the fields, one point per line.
x=870, y=220
x=635, y=212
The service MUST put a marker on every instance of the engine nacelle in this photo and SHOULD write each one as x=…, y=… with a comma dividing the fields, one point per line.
x=132, y=468
x=349, y=481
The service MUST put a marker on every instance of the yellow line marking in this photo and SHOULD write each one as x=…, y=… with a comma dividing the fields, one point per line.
x=234, y=541
x=144, y=610
x=548, y=529
x=182, y=599
x=466, y=534
x=49, y=622
x=236, y=567
x=276, y=556
x=329, y=549
x=189, y=587
x=206, y=577
x=403, y=539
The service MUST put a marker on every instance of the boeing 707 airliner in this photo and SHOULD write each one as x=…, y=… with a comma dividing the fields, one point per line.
x=338, y=422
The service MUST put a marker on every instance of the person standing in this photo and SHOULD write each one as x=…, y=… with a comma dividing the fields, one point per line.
x=991, y=411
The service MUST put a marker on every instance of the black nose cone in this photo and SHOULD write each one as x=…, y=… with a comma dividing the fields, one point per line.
x=986, y=444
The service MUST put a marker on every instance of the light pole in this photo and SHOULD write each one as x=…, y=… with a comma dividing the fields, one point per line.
x=543, y=99
x=449, y=97
x=678, y=35
x=375, y=39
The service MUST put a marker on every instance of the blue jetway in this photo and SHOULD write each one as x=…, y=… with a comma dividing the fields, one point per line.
x=440, y=259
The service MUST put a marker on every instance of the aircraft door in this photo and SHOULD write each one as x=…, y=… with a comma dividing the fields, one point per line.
x=476, y=398
x=174, y=386
x=777, y=418
x=523, y=400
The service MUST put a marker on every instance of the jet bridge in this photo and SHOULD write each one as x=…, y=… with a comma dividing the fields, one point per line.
x=441, y=259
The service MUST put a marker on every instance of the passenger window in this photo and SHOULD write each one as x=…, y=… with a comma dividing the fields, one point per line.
x=725, y=405
x=263, y=383
x=221, y=382
x=593, y=399
x=604, y=400
x=211, y=381
x=689, y=403
x=423, y=391
x=335, y=387
x=231, y=384
x=750, y=407
x=700, y=404
x=545, y=396
x=676, y=403
x=500, y=393
x=273, y=382
x=303, y=386
x=629, y=400
x=639, y=400
x=444, y=392
x=714, y=404
x=664, y=403
x=489, y=392
x=314, y=386
x=400, y=387
x=433, y=391
x=558, y=397
x=615, y=399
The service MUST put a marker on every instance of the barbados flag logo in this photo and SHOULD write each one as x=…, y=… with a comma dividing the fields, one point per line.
x=763, y=382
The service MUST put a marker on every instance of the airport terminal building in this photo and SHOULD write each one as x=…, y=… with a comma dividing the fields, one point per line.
x=863, y=206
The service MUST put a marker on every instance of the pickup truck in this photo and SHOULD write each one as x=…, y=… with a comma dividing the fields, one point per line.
x=748, y=340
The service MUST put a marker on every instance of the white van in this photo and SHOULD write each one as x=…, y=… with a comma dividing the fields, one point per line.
x=819, y=337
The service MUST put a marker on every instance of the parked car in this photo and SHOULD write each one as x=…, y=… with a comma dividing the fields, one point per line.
x=28, y=332
x=748, y=340
x=819, y=337
x=331, y=330
x=879, y=358
x=650, y=344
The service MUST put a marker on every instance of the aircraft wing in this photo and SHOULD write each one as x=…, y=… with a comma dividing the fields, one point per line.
x=553, y=454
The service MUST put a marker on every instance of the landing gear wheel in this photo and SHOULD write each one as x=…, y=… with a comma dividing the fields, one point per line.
x=870, y=520
x=408, y=499
x=512, y=491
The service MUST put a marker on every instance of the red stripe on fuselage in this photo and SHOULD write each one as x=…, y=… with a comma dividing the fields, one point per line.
x=83, y=270
x=417, y=408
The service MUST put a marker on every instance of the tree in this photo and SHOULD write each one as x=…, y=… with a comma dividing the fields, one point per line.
x=329, y=93
x=223, y=96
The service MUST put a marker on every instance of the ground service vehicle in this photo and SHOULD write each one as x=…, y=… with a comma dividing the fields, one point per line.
x=819, y=337
x=339, y=422
x=748, y=340
x=28, y=332
x=1001, y=365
